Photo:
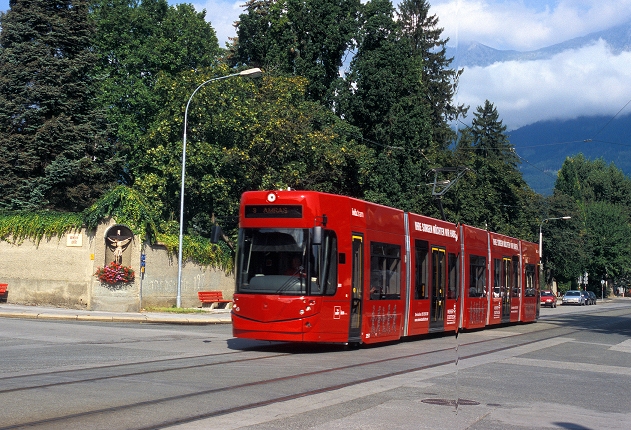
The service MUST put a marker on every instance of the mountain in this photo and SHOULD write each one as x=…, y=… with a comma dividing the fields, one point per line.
x=474, y=54
x=544, y=146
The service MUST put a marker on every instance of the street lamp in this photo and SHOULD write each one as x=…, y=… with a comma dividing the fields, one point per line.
x=251, y=73
x=541, y=245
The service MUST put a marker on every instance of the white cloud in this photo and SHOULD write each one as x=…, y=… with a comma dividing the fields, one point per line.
x=586, y=81
x=526, y=25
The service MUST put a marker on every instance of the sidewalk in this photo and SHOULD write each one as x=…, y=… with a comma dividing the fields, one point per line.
x=215, y=316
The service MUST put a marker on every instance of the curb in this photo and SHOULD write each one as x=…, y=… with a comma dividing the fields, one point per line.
x=68, y=315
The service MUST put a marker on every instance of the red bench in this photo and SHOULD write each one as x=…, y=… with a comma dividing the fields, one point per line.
x=3, y=292
x=213, y=298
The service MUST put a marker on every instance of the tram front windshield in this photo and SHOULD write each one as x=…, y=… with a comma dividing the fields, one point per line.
x=283, y=261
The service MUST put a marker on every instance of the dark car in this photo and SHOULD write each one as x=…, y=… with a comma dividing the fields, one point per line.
x=593, y=296
x=587, y=297
x=548, y=298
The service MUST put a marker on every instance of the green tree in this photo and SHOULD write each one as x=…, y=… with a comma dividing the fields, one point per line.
x=298, y=38
x=383, y=95
x=244, y=135
x=495, y=196
x=440, y=80
x=563, y=240
x=596, y=241
x=54, y=150
x=137, y=41
x=607, y=243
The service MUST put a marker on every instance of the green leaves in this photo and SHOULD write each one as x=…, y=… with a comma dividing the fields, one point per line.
x=16, y=227
x=598, y=198
x=54, y=146
x=128, y=207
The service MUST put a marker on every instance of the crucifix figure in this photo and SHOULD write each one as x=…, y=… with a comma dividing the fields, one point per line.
x=119, y=242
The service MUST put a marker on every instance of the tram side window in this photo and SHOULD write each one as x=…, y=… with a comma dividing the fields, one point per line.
x=420, y=278
x=515, y=282
x=385, y=271
x=497, y=277
x=530, y=280
x=452, y=291
x=477, y=276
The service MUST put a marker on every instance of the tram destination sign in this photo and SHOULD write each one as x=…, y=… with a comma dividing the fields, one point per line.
x=273, y=211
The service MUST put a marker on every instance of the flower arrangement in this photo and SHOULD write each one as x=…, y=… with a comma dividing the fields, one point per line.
x=115, y=273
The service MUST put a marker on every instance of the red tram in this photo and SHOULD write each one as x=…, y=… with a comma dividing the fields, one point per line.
x=316, y=267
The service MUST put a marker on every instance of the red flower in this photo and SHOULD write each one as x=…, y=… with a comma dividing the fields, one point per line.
x=115, y=273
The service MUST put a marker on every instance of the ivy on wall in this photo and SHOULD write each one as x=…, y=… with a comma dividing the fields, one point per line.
x=127, y=207
x=17, y=226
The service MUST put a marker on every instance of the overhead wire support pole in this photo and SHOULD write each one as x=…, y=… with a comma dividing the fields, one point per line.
x=446, y=184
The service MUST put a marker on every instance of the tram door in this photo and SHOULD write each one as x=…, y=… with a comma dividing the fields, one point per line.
x=357, y=283
x=437, y=303
x=506, y=288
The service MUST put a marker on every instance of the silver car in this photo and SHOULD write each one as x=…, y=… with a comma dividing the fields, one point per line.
x=573, y=297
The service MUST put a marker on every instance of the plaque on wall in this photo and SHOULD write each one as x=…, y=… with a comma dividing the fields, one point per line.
x=74, y=239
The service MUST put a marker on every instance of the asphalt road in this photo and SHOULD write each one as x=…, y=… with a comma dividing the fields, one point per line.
x=570, y=370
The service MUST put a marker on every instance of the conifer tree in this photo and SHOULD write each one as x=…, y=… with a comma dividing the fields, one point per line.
x=496, y=195
x=54, y=147
x=440, y=80
x=384, y=96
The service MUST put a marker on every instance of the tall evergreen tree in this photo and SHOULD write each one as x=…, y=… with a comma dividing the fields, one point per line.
x=440, y=80
x=54, y=151
x=496, y=196
x=384, y=96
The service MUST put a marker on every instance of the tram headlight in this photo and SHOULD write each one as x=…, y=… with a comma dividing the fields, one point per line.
x=302, y=312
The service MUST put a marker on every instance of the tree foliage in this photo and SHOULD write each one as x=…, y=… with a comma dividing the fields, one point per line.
x=597, y=197
x=305, y=38
x=244, y=135
x=54, y=146
x=421, y=30
x=91, y=97
x=494, y=194
x=137, y=41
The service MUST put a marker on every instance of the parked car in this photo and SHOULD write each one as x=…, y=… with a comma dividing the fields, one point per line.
x=573, y=297
x=593, y=296
x=588, y=298
x=548, y=298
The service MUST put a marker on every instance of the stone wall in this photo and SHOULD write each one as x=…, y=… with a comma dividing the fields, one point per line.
x=60, y=272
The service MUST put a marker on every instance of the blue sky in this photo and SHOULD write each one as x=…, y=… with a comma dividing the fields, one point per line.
x=588, y=81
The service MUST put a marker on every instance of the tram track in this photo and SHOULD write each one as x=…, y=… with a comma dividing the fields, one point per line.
x=94, y=369
x=553, y=332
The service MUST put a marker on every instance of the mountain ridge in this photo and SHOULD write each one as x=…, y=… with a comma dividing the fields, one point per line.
x=475, y=54
x=544, y=146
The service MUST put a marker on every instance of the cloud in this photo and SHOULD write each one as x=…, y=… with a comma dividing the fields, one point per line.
x=583, y=82
x=526, y=25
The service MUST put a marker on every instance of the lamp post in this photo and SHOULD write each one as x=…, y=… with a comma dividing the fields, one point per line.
x=541, y=245
x=252, y=73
